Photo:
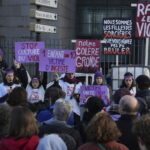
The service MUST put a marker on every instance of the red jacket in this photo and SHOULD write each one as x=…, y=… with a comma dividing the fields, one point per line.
x=21, y=144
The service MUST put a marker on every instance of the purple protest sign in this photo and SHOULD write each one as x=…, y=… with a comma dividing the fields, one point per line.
x=94, y=90
x=143, y=20
x=27, y=52
x=56, y=60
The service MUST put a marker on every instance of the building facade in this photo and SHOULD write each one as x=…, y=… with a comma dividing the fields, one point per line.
x=76, y=19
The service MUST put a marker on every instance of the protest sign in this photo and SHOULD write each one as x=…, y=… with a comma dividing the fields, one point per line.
x=94, y=90
x=27, y=52
x=118, y=36
x=57, y=60
x=143, y=20
x=87, y=56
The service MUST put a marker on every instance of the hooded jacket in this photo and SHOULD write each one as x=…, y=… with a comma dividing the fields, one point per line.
x=20, y=144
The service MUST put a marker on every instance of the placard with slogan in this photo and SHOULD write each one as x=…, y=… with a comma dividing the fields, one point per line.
x=94, y=90
x=57, y=60
x=118, y=36
x=143, y=20
x=28, y=52
x=87, y=56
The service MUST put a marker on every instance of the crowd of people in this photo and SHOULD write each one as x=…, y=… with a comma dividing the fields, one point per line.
x=35, y=115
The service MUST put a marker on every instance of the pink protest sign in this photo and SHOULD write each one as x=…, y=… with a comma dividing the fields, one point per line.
x=87, y=56
x=27, y=52
x=143, y=20
x=94, y=90
x=56, y=60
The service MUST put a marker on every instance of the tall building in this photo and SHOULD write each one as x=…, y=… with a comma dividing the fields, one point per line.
x=76, y=19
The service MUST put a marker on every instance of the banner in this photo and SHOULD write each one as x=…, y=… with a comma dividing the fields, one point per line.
x=143, y=20
x=28, y=52
x=118, y=36
x=87, y=56
x=94, y=90
x=57, y=60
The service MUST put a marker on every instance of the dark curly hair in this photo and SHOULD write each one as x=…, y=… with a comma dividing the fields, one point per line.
x=102, y=129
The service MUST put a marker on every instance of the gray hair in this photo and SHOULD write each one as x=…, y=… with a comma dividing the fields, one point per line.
x=62, y=109
x=128, y=104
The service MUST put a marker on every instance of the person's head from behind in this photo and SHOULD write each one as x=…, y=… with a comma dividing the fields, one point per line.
x=35, y=82
x=53, y=93
x=51, y=142
x=62, y=109
x=128, y=80
x=17, y=97
x=94, y=104
x=22, y=123
x=141, y=128
x=143, y=82
x=98, y=78
x=119, y=94
x=102, y=129
x=128, y=105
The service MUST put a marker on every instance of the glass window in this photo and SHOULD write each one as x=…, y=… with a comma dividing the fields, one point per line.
x=90, y=20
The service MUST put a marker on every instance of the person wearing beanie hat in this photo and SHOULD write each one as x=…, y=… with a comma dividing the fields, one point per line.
x=129, y=83
x=143, y=91
x=98, y=78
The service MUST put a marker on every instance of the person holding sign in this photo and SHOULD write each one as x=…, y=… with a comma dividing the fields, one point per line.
x=71, y=86
x=99, y=80
x=20, y=72
x=128, y=82
x=35, y=90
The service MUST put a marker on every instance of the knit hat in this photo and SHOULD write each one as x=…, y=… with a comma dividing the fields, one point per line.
x=1, y=52
x=98, y=74
x=8, y=71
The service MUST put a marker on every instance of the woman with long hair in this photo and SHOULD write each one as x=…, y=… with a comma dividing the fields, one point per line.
x=22, y=131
